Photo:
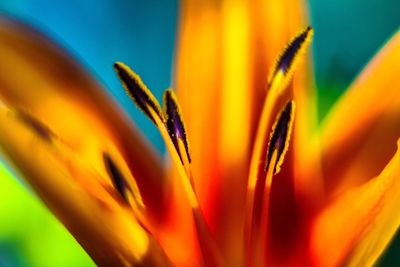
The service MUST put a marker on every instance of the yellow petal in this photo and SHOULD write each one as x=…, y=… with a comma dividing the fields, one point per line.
x=357, y=225
x=82, y=198
x=277, y=22
x=38, y=77
x=360, y=133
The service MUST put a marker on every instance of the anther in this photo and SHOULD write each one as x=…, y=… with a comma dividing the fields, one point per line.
x=280, y=136
x=175, y=125
x=138, y=92
x=287, y=61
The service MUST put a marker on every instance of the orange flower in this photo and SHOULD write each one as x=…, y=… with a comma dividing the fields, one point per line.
x=252, y=180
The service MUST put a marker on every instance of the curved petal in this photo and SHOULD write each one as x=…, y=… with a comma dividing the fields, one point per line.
x=38, y=77
x=359, y=135
x=82, y=198
x=357, y=225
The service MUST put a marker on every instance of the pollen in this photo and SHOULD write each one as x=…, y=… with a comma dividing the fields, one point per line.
x=290, y=57
x=138, y=92
x=175, y=124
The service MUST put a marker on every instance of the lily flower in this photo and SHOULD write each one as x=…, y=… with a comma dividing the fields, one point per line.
x=251, y=179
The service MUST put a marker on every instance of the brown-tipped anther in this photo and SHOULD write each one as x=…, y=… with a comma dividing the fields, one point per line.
x=138, y=92
x=289, y=54
x=287, y=60
x=117, y=178
x=39, y=128
x=280, y=136
x=175, y=125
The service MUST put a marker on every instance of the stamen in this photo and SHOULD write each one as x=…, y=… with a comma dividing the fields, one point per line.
x=258, y=183
x=138, y=92
x=125, y=185
x=155, y=114
x=173, y=132
x=280, y=136
x=277, y=82
x=175, y=125
x=288, y=60
x=41, y=130
x=277, y=147
x=116, y=177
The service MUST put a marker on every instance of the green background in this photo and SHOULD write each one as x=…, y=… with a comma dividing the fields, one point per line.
x=142, y=33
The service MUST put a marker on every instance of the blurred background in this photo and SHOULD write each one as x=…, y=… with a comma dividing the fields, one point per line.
x=142, y=34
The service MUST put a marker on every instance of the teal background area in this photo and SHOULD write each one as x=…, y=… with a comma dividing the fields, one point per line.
x=347, y=34
x=142, y=34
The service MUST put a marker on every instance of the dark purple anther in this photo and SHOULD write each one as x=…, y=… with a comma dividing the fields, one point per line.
x=116, y=176
x=280, y=134
x=175, y=124
x=137, y=91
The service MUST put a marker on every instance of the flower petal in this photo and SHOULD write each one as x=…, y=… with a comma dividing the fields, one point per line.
x=77, y=194
x=213, y=86
x=225, y=50
x=357, y=225
x=38, y=77
x=359, y=135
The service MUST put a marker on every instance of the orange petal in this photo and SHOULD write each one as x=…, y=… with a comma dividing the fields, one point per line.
x=205, y=66
x=221, y=78
x=357, y=225
x=277, y=22
x=359, y=135
x=81, y=197
x=38, y=77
